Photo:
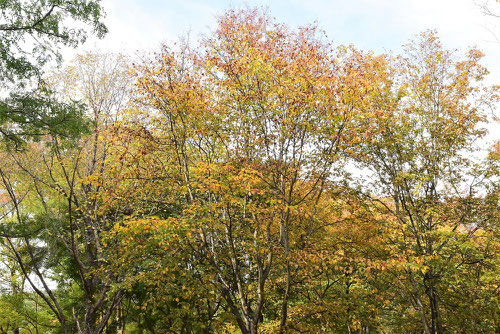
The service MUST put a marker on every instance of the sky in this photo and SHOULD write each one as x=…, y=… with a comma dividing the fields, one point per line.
x=138, y=26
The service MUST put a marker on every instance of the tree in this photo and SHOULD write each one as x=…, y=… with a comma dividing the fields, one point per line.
x=486, y=8
x=55, y=212
x=249, y=129
x=19, y=308
x=432, y=193
x=31, y=33
x=491, y=11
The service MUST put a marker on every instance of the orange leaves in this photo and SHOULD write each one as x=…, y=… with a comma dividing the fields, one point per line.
x=240, y=148
x=171, y=84
x=229, y=179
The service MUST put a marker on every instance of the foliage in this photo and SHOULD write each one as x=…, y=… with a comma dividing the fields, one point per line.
x=260, y=181
x=31, y=34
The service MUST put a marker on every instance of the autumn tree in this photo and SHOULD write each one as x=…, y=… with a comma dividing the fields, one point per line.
x=432, y=193
x=250, y=128
x=53, y=217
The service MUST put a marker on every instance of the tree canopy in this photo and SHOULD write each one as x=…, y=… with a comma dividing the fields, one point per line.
x=31, y=34
x=260, y=180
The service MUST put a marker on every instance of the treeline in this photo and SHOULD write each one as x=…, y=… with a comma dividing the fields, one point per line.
x=261, y=180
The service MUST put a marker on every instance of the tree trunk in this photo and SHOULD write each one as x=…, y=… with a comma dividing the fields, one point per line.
x=436, y=325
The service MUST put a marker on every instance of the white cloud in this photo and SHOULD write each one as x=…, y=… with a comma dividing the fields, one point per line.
x=380, y=25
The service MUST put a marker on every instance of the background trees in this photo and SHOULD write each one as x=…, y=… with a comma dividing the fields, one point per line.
x=55, y=214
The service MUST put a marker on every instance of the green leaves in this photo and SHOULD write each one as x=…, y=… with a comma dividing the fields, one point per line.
x=31, y=33
x=32, y=116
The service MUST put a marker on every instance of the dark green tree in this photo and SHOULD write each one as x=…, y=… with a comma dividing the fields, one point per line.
x=31, y=35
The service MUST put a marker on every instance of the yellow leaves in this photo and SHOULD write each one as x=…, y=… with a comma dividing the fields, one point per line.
x=230, y=159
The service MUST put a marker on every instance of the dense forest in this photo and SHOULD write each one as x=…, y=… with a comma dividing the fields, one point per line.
x=257, y=180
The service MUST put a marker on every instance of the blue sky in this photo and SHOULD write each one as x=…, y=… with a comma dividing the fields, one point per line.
x=378, y=25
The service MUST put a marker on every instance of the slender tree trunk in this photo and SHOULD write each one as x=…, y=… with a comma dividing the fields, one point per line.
x=436, y=326
x=252, y=327
x=284, y=305
x=419, y=305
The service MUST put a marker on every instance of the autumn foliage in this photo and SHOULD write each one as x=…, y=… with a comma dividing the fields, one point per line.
x=266, y=181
